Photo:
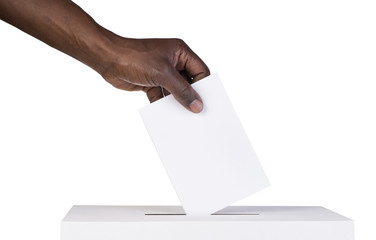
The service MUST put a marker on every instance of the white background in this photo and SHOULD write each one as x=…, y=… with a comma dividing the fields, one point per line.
x=301, y=75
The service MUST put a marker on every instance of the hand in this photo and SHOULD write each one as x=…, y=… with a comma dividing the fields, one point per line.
x=129, y=64
x=153, y=64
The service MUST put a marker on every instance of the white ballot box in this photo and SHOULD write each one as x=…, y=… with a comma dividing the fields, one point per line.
x=232, y=223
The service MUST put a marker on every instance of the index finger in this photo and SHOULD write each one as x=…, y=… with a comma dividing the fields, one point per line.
x=194, y=66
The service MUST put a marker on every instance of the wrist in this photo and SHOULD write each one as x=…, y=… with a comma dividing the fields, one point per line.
x=112, y=51
x=101, y=50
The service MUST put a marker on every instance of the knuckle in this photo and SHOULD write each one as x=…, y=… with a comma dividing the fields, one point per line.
x=186, y=93
x=179, y=42
x=161, y=74
x=206, y=71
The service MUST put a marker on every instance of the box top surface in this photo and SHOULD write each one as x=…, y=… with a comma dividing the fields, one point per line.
x=176, y=214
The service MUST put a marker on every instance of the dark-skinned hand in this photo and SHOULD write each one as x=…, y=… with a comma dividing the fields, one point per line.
x=156, y=66
x=153, y=64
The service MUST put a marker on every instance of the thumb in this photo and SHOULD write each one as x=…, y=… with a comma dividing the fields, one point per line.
x=183, y=91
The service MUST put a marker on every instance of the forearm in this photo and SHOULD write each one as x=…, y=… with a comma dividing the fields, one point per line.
x=62, y=25
x=128, y=64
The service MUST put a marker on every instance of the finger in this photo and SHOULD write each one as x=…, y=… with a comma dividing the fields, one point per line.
x=165, y=92
x=186, y=76
x=194, y=66
x=154, y=94
x=182, y=91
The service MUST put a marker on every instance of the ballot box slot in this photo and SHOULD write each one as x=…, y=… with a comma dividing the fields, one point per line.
x=234, y=214
x=214, y=214
x=165, y=214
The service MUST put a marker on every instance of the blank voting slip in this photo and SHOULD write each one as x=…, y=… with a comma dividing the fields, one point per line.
x=208, y=157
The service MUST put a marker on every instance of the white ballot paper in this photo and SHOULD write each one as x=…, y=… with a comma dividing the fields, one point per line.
x=208, y=156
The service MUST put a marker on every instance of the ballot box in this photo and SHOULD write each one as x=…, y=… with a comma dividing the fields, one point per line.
x=231, y=223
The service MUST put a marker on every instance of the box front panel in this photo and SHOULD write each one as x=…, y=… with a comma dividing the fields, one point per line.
x=262, y=230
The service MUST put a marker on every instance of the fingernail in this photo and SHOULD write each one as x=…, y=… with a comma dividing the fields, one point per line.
x=196, y=106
